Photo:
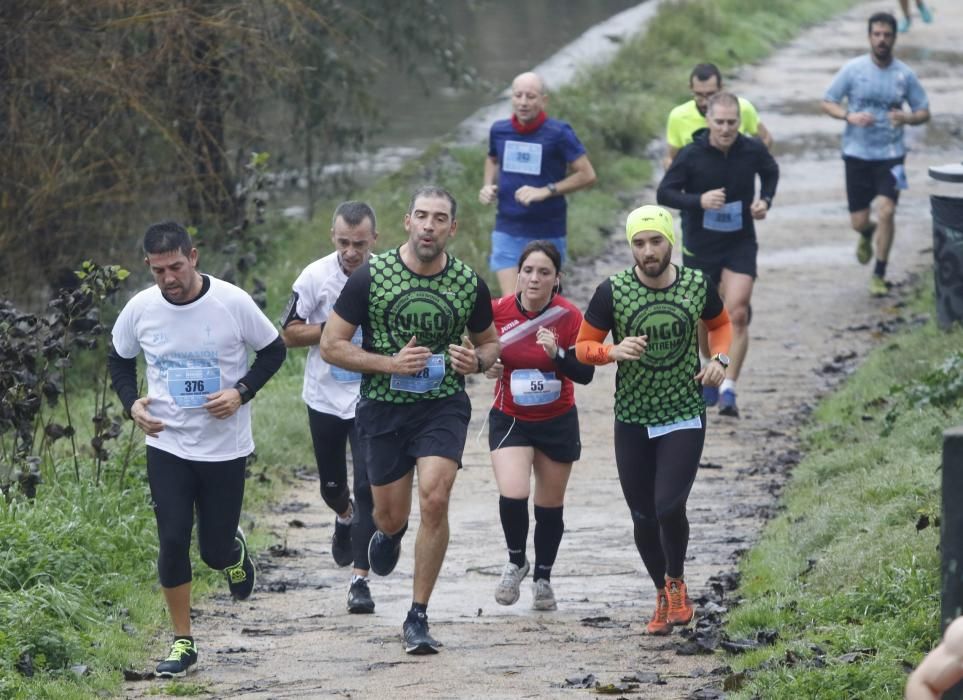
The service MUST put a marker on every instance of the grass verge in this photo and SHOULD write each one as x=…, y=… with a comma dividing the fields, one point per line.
x=848, y=573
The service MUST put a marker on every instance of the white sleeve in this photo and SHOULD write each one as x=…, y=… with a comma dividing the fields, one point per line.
x=306, y=293
x=256, y=329
x=123, y=334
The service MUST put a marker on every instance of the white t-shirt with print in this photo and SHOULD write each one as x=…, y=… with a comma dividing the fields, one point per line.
x=327, y=389
x=193, y=350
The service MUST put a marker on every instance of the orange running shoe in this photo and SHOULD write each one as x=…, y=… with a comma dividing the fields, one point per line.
x=659, y=624
x=680, y=607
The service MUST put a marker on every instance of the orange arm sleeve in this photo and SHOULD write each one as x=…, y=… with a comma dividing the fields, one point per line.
x=588, y=346
x=720, y=333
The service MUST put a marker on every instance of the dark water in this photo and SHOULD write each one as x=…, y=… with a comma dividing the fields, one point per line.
x=502, y=38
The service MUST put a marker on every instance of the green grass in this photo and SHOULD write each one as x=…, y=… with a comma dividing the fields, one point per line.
x=843, y=568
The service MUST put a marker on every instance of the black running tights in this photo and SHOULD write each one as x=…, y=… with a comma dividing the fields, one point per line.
x=178, y=487
x=656, y=475
x=330, y=436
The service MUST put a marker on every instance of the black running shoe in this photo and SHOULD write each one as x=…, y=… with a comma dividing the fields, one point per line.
x=179, y=662
x=383, y=553
x=359, y=598
x=415, y=633
x=341, y=542
x=241, y=576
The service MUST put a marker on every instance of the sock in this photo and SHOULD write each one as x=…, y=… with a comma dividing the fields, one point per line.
x=357, y=577
x=350, y=517
x=869, y=230
x=398, y=535
x=880, y=270
x=549, y=528
x=184, y=636
x=419, y=608
x=514, y=517
x=727, y=385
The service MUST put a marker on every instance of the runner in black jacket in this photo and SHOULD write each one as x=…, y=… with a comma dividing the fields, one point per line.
x=713, y=182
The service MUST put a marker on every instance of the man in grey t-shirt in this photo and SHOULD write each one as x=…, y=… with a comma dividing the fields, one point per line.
x=875, y=88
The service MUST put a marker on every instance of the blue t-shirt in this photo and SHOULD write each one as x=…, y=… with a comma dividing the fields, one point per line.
x=869, y=88
x=534, y=159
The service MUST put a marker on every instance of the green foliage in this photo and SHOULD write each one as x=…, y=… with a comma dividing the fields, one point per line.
x=153, y=97
x=849, y=572
x=940, y=388
x=75, y=584
x=36, y=357
x=182, y=689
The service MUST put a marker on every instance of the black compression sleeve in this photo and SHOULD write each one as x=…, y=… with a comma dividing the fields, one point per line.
x=267, y=361
x=573, y=369
x=123, y=377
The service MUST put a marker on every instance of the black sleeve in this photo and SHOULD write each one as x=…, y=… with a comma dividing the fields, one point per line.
x=123, y=377
x=290, y=311
x=671, y=192
x=267, y=361
x=352, y=305
x=714, y=304
x=768, y=175
x=573, y=369
x=599, y=312
x=481, y=316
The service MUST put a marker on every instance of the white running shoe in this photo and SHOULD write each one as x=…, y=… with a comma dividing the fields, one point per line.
x=543, y=597
x=508, y=590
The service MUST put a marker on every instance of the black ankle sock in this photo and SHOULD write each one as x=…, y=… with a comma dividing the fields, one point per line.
x=880, y=270
x=514, y=517
x=183, y=636
x=398, y=535
x=869, y=230
x=419, y=608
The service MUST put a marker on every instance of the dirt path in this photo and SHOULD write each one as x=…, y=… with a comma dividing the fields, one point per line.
x=813, y=319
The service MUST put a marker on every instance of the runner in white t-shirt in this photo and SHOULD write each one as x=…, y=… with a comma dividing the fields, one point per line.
x=331, y=393
x=195, y=332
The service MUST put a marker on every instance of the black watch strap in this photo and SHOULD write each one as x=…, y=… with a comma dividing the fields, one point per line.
x=244, y=391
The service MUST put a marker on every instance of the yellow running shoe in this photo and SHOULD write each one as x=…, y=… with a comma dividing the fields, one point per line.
x=877, y=286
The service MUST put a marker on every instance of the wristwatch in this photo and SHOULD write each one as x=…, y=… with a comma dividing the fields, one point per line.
x=245, y=391
x=722, y=359
x=552, y=189
x=559, y=353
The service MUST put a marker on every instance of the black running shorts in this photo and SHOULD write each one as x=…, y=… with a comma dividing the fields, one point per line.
x=393, y=436
x=737, y=255
x=557, y=438
x=865, y=179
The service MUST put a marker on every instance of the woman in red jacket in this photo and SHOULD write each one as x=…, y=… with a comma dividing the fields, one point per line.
x=533, y=422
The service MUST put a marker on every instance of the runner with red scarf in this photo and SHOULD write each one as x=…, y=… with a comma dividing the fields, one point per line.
x=533, y=162
x=533, y=422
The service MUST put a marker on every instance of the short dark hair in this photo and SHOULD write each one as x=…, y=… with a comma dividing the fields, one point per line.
x=704, y=71
x=881, y=18
x=354, y=212
x=167, y=237
x=723, y=98
x=433, y=191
